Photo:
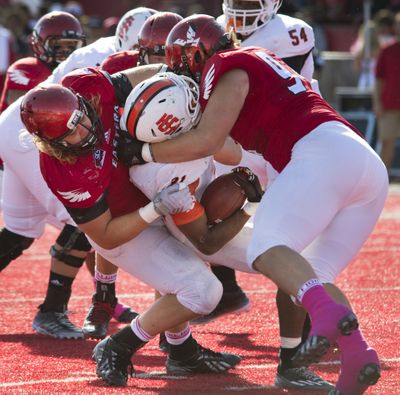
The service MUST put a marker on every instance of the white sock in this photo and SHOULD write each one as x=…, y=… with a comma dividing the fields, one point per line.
x=139, y=331
x=290, y=342
x=105, y=278
x=176, y=338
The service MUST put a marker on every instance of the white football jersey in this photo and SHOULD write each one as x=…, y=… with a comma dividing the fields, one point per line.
x=90, y=56
x=151, y=178
x=286, y=37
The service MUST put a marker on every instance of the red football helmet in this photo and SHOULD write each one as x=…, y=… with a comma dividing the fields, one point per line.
x=192, y=41
x=153, y=34
x=52, y=112
x=55, y=36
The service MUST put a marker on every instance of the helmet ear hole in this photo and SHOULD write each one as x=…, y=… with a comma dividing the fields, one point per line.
x=197, y=57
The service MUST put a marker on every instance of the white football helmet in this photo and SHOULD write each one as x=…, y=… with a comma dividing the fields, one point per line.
x=126, y=33
x=246, y=16
x=161, y=107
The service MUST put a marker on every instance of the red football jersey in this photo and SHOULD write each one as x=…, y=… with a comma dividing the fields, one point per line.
x=120, y=61
x=280, y=107
x=23, y=75
x=81, y=184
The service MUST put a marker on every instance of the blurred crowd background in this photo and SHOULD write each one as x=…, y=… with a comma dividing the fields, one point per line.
x=349, y=35
x=336, y=21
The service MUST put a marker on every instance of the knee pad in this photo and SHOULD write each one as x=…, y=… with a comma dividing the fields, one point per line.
x=203, y=296
x=70, y=238
x=11, y=246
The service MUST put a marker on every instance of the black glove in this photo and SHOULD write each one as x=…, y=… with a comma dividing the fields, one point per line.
x=249, y=183
x=129, y=150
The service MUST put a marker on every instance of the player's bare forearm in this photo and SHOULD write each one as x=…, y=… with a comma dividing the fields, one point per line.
x=140, y=73
x=230, y=154
x=209, y=240
x=110, y=232
x=217, y=121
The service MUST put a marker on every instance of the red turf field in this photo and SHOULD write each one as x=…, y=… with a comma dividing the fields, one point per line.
x=32, y=364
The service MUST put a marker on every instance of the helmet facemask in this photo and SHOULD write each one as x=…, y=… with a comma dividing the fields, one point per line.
x=193, y=58
x=59, y=48
x=145, y=52
x=93, y=138
x=247, y=16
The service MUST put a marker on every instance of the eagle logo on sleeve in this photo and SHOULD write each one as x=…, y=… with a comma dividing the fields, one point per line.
x=19, y=77
x=75, y=196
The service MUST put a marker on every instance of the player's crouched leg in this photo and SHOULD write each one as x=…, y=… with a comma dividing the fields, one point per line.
x=189, y=357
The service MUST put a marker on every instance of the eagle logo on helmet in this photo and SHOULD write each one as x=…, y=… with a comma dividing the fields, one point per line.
x=190, y=38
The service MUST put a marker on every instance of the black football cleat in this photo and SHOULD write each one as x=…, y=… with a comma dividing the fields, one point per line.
x=113, y=362
x=301, y=379
x=97, y=319
x=55, y=324
x=203, y=361
x=163, y=344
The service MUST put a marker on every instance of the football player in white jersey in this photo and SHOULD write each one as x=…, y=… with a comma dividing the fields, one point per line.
x=225, y=243
x=257, y=23
x=29, y=204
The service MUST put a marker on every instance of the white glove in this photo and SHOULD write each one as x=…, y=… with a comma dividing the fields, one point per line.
x=173, y=199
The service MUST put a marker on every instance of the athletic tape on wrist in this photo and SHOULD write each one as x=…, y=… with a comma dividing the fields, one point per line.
x=149, y=213
x=250, y=208
x=147, y=153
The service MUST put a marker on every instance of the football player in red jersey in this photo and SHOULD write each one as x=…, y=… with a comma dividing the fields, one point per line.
x=322, y=206
x=74, y=127
x=151, y=49
x=54, y=37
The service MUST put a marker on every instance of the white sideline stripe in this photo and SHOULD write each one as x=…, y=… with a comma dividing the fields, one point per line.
x=150, y=295
x=85, y=376
x=372, y=248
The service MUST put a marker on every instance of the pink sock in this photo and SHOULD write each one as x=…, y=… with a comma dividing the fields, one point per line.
x=324, y=312
x=354, y=354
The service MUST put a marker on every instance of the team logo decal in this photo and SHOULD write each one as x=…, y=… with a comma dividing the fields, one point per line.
x=99, y=156
x=107, y=136
x=208, y=82
x=75, y=195
x=19, y=77
x=126, y=24
x=168, y=124
x=190, y=39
